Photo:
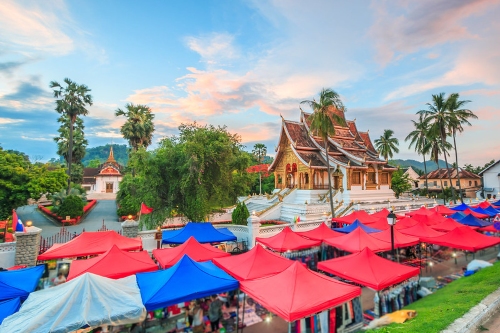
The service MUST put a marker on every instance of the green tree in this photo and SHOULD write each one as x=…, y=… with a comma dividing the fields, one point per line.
x=240, y=214
x=322, y=124
x=139, y=127
x=259, y=151
x=436, y=148
x=400, y=183
x=95, y=163
x=418, y=137
x=71, y=102
x=387, y=145
x=72, y=206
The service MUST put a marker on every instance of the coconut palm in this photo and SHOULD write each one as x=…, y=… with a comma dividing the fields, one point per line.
x=459, y=116
x=387, y=145
x=418, y=137
x=322, y=124
x=139, y=127
x=437, y=148
x=259, y=151
x=71, y=102
x=439, y=119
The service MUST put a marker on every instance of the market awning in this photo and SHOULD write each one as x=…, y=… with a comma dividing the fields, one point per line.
x=91, y=243
x=486, y=212
x=464, y=238
x=400, y=239
x=185, y=281
x=443, y=210
x=360, y=215
x=381, y=224
x=114, y=264
x=9, y=307
x=381, y=214
x=256, y=263
x=447, y=225
x=19, y=283
x=320, y=233
x=89, y=300
x=357, y=240
x=353, y=226
x=405, y=222
x=421, y=230
x=298, y=292
x=368, y=269
x=195, y=250
x=287, y=240
x=203, y=232
x=472, y=221
x=430, y=219
x=421, y=211
x=460, y=207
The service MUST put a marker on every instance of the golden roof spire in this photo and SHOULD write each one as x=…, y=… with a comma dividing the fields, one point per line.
x=111, y=158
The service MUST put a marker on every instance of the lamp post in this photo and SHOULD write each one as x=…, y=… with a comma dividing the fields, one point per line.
x=455, y=257
x=158, y=237
x=391, y=219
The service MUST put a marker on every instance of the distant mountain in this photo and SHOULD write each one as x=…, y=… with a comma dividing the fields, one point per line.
x=416, y=165
x=101, y=153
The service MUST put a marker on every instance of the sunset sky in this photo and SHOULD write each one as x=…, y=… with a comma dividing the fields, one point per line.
x=243, y=63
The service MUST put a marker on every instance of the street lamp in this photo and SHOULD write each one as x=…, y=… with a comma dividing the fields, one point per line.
x=455, y=257
x=391, y=219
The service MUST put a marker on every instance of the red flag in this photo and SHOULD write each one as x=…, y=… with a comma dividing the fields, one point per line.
x=14, y=220
x=145, y=209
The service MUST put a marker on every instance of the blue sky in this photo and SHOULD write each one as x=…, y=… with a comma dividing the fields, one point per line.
x=243, y=63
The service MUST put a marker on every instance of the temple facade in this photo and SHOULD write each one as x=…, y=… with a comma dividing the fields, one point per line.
x=357, y=173
x=104, y=179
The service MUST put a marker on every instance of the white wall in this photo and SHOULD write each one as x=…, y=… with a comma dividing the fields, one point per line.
x=492, y=180
x=102, y=180
x=7, y=254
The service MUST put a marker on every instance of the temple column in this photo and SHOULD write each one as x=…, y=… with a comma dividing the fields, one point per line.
x=349, y=178
x=275, y=179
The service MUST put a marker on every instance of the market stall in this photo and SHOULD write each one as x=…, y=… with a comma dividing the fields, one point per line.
x=357, y=240
x=463, y=238
x=482, y=211
x=421, y=211
x=113, y=264
x=9, y=307
x=19, y=283
x=202, y=232
x=400, y=239
x=420, y=230
x=460, y=208
x=473, y=221
x=443, y=210
x=429, y=219
x=381, y=214
x=91, y=243
x=359, y=215
x=319, y=233
x=356, y=224
x=405, y=222
x=381, y=224
x=447, y=225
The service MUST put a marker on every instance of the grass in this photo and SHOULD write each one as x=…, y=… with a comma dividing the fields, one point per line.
x=437, y=311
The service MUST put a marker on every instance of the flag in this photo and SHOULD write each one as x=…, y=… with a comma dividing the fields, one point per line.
x=145, y=209
x=20, y=226
x=14, y=220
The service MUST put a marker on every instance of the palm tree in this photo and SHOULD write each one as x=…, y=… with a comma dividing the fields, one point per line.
x=418, y=137
x=259, y=151
x=322, y=124
x=139, y=127
x=459, y=116
x=387, y=145
x=438, y=119
x=436, y=148
x=71, y=102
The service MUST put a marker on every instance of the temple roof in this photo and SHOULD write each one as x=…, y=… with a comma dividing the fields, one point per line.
x=443, y=174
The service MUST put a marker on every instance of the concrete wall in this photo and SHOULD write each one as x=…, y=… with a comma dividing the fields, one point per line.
x=7, y=254
x=100, y=183
x=27, y=246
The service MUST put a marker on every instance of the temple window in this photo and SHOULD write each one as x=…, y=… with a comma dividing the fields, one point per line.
x=306, y=178
x=356, y=178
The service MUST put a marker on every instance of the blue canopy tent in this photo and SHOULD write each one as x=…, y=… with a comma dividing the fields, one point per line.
x=185, y=281
x=484, y=211
x=491, y=210
x=202, y=232
x=460, y=208
x=473, y=221
x=9, y=307
x=354, y=225
x=457, y=216
x=19, y=283
x=496, y=203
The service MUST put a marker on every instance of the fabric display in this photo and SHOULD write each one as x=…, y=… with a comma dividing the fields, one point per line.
x=395, y=298
x=308, y=257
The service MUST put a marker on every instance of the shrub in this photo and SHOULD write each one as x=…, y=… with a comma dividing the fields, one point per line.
x=72, y=206
x=240, y=214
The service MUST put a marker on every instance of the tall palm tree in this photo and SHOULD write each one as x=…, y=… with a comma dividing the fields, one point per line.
x=436, y=148
x=71, y=102
x=418, y=137
x=322, y=124
x=139, y=127
x=459, y=116
x=387, y=145
x=259, y=151
x=438, y=119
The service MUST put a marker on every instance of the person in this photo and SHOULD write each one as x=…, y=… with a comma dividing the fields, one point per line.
x=215, y=313
x=60, y=279
x=197, y=323
x=190, y=312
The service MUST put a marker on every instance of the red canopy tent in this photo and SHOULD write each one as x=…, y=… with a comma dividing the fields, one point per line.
x=320, y=233
x=400, y=239
x=464, y=238
x=420, y=211
x=448, y=225
x=360, y=215
x=91, y=243
x=381, y=224
x=431, y=219
x=368, y=269
x=256, y=263
x=114, y=264
x=490, y=228
x=443, y=210
x=298, y=292
x=421, y=230
x=405, y=222
x=484, y=204
x=475, y=214
x=287, y=240
x=381, y=214
x=357, y=240
x=196, y=251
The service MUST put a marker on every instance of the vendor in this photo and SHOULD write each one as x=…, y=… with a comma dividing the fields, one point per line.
x=60, y=279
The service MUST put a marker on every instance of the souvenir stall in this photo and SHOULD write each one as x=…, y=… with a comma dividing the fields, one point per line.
x=357, y=224
x=472, y=221
x=293, y=246
x=448, y=225
x=359, y=215
x=320, y=234
x=202, y=232
x=463, y=238
x=357, y=240
x=443, y=210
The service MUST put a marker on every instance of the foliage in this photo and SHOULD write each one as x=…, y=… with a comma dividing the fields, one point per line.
x=94, y=163
x=71, y=206
x=101, y=153
x=20, y=180
x=387, y=145
x=445, y=305
x=400, y=182
x=59, y=197
x=259, y=151
x=240, y=214
x=139, y=127
x=477, y=169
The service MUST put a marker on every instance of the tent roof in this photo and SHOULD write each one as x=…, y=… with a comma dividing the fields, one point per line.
x=486, y=212
x=287, y=240
x=381, y=214
x=87, y=300
x=472, y=221
x=405, y=222
x=319, y=233
x=421, y=230
x=496, y=203
x=464, y=238
x=360, y=215
x=196, y=251
x=185, y=281
x=447, y=225
x=298, y=292
x=356, y=224
x=381, y=224
x=357, y=241
x=420, y=211
x=368, y=269
x=19, y=283
x=9, y=307
x=256, y=263
x=202, y=232
x=400, y=239
x=430, y=219
x=460, y=207
x=483, y=205
x=492, y=211
x=113, y=264
x=457, y=216
x=441, y=209
x=91, y=243
x=490, y=228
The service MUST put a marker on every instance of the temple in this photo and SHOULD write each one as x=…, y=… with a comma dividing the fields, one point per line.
x=105, y=178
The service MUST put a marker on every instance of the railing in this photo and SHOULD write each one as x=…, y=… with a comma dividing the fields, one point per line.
x=345, y=210
x=304, y=226
x=272, y=230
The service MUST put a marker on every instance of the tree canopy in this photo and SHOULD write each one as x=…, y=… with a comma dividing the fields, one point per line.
x=138, y=128
x=387, y=144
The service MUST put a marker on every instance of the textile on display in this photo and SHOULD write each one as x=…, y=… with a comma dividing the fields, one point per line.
x=202, y=232
x=19, y=283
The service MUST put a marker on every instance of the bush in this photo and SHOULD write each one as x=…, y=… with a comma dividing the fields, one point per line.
x=240, y=214
x=72, y=206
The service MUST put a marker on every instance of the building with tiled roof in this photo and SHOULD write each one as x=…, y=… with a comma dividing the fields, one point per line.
x=357, y=171
x=437, y=179
x=104, y=179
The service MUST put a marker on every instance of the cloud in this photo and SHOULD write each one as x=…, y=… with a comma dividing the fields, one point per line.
x=8, y=67
x=28, y=96
x=38, y=138
x=8, y=121
x=213, y=48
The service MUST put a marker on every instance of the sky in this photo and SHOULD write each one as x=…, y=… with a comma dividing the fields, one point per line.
x=244, y=63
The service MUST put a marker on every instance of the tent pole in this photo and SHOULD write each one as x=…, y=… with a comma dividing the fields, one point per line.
x=237, y=309
x=289, y=327
x=243, y=314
